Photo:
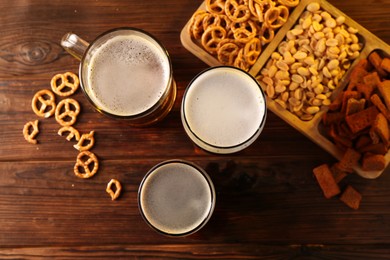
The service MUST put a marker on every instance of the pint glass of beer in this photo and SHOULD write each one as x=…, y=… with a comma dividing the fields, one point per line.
x=125, y=73
x=223, y=110
x=176, y=198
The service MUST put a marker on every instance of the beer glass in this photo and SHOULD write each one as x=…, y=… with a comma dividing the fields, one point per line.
x=176, y=198
x=125, y=73
x=223, y=110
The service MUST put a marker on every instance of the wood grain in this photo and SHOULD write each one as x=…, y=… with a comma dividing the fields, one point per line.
x=268, y=204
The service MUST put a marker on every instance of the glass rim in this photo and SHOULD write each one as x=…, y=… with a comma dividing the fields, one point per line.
x=248, y=141
x=155, y=106
x=199, y=170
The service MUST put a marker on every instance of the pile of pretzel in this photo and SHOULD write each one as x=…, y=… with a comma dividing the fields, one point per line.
x=66, y=112
x=236, y=30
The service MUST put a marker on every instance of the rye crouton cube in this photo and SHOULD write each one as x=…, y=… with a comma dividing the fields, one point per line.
x=361, y=120
x=350, y=159
x=385, y=64
x=351, y=197
x=373, y=162
x=384, y=89
x=325, y=179
x=376, y=100
x=376, y=60
x=380, y=128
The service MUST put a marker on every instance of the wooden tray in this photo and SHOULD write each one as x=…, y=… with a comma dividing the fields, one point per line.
x=311, y=128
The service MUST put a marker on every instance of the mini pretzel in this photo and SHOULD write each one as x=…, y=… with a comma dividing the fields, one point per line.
x=30, y=136
x=211, y=37
x=73, y=133
x=266, y=34
x=65, y=83
x=247, y=32
x=84, y=163
x=289, y=3
x=71, y=110
x=215, y=6
x=237, y=12
x=275, y=17
x=85, y=137
x=259, y=7
x=196, y=24
x=216, y=19
x=43, y=103
x=118, y=188
x=227, y=52
x=252, y=51
x=240, y=62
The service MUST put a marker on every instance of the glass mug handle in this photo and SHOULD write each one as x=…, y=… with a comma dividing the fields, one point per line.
x=74, y=45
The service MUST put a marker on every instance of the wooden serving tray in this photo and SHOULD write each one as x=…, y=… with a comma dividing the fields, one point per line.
x=310, y=129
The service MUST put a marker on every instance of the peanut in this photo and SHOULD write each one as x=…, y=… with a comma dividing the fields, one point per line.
x=310, y=62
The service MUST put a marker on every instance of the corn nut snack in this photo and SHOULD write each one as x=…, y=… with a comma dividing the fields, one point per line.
x=310, y=63
x=235, y=31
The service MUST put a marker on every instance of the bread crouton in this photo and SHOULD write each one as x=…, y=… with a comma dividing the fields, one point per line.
x=384, y=89
x=376, y=100
x=361, y=120
x=326, y=181
x=385, y=65
x=376, y=60
x=354, y=105
x=373, y=162
x=349, y=160
x=351, y=197
x=338, y=173
x=380, y=128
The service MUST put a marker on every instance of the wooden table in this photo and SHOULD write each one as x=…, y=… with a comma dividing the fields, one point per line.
x=268, y=204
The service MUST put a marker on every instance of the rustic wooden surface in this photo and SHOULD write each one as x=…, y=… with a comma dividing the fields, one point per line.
x=268, y=204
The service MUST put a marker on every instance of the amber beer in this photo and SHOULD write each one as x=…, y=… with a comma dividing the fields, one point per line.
x=176, y=198
x=223, y=110
x=126, y=73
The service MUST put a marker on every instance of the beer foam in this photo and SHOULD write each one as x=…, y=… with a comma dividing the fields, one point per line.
x=224, y=107
x=128, y=74
x=176, y=198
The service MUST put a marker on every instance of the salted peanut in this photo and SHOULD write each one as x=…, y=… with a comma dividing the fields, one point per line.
x=313, y=58
x=313, y=7
x=312, y=110
x=331, y=23
x=118, y=188
x=282, y=65
x=340, y=20
x=270, y=90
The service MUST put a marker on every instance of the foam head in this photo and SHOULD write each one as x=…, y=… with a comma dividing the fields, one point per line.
x=127, y=73
x=176, y=198
x=223, y=108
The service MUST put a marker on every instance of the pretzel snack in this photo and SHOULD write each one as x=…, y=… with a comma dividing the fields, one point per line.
x=73, y=133
x=118, y=189
x=69, y=83
x=71, y=110
x=30, y=136
x=43, y=103
x=85, y=137
x=84, y=161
